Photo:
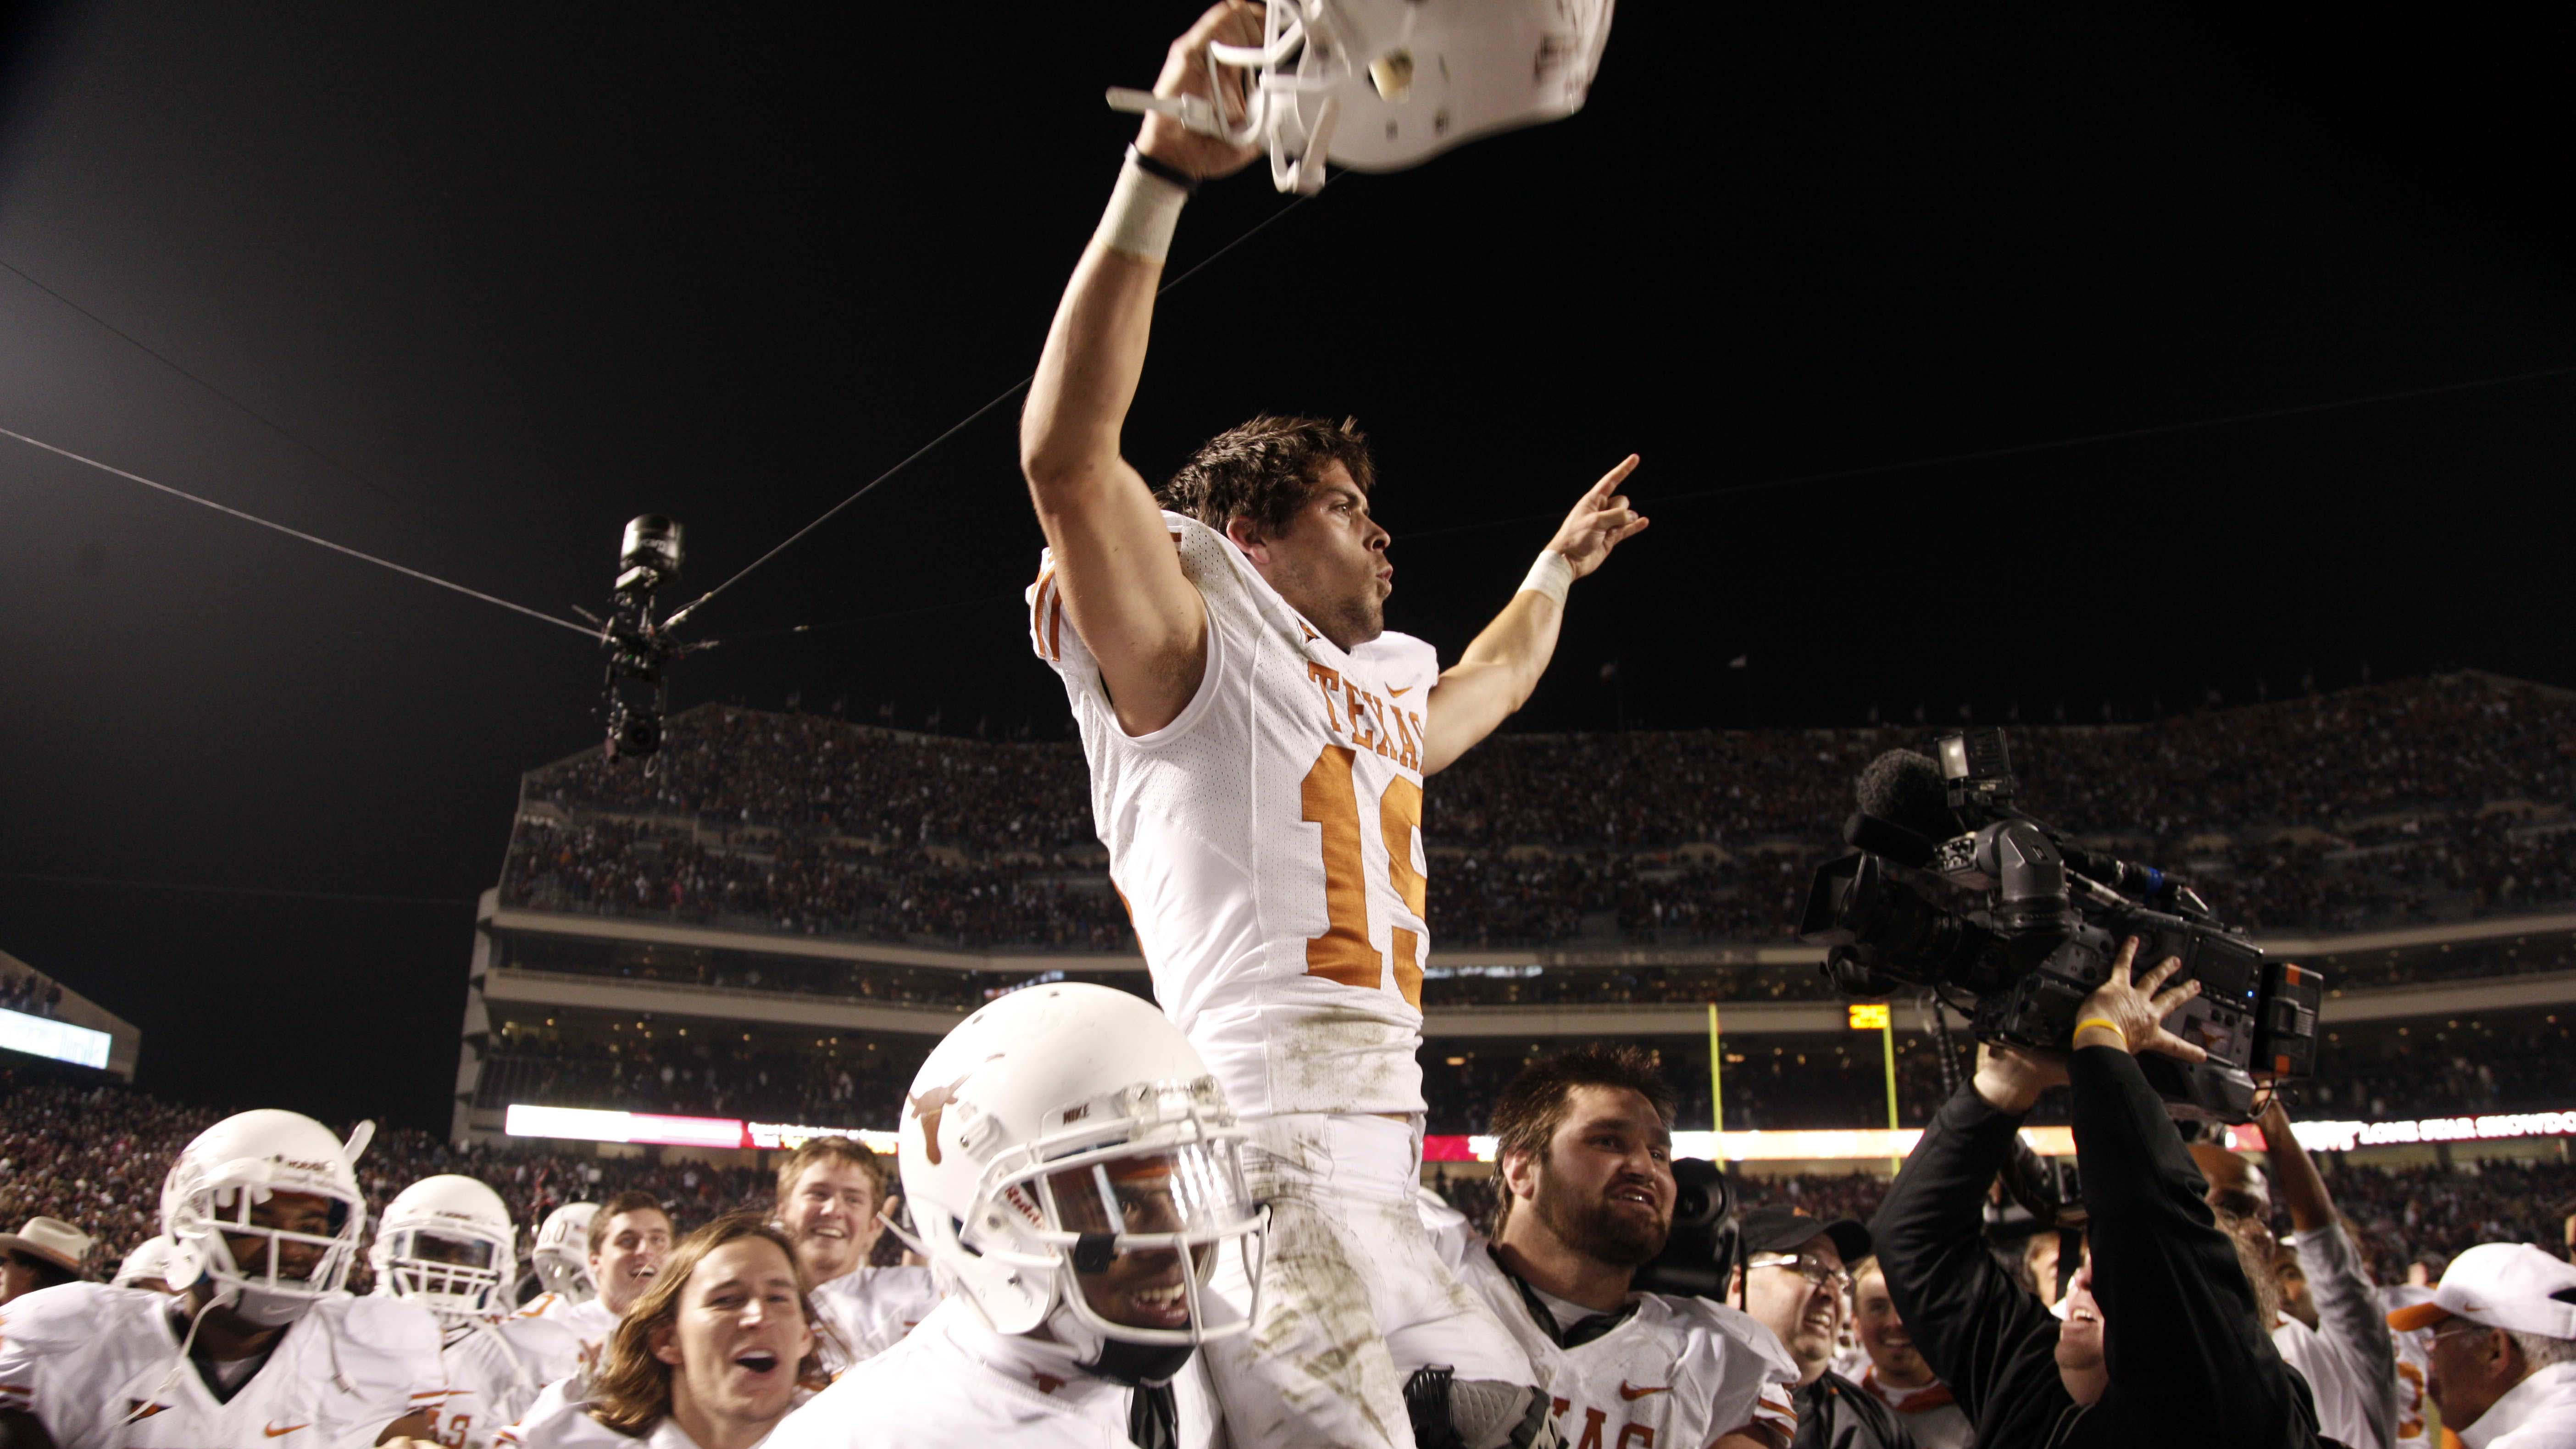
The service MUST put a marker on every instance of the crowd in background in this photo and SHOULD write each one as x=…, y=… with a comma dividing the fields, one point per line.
x=767, y=1081
x=2421, y=800
x=29, y=994
x=94, y=1155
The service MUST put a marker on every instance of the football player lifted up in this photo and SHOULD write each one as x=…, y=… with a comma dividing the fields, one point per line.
x=1257, y=743
x=447, y=1244
x=259, y=1345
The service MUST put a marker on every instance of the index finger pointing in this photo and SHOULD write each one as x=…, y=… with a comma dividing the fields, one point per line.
x=1613, y=478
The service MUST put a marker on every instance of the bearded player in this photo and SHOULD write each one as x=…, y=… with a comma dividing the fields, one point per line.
x=1584, y=1143
x=1257, y=744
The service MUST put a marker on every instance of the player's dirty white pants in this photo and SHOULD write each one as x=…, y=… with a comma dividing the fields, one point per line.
x=1353, y=1297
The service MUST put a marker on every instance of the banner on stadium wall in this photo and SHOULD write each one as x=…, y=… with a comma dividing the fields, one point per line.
x=654, y=1129
x=40, y=1036
x=583, y=1124
x=1877, y=1142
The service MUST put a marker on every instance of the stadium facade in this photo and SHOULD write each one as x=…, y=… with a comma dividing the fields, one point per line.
x=772, y=931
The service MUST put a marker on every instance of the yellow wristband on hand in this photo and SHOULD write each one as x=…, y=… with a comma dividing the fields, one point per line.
x=2104, y=1022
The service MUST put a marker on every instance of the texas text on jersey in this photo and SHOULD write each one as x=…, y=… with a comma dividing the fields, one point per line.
x=1267, y=842
x=102, y=1368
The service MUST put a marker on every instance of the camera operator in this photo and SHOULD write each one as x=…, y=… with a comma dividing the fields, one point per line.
x=2342, y=1347
x=2161, y=1321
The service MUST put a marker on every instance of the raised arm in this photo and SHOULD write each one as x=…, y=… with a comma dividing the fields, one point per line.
x=1114, y=564
x=2348, y=1311
x=1500, y=669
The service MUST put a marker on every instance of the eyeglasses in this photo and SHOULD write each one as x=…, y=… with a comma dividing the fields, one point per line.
x=1814, y=1270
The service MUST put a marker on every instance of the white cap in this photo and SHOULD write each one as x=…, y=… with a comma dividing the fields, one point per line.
x=2512, y=1286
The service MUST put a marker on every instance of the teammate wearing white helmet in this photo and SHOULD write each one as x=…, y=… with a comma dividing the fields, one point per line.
x=1258, y=743
x=831, y=1191
x=1074, y=1180
x=447, y=1244
x=561, y=1256
x=260, y=1347
x=148, y=1266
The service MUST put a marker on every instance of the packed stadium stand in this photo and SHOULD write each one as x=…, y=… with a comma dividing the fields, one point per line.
x=778, y=918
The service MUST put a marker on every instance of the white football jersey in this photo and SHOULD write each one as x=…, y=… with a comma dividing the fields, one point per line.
x=1268, y=842
x=1677, y=1374
x=494, y=1372
x=589, y=1321
x=2336, y=1381
x=953, y=1381
x=870, y=1310
x=568, y=1425
x=100, y=1367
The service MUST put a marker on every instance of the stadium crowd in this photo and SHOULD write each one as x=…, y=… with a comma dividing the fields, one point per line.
x=2414, y=801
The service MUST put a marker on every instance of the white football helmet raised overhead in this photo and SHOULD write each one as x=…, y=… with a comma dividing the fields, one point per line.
x=561, y=1255
x=446, y=1243
x=210, y=1202
x=1380, y=85
x=1070, y=1131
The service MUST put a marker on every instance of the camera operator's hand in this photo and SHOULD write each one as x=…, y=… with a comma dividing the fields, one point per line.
x=2131, y=1015
x=2010, y=1078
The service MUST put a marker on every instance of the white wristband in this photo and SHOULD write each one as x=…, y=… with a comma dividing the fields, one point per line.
x=1551, y=576
x=1143, y=212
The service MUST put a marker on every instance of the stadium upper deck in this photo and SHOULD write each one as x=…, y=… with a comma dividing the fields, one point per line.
x=825, y=898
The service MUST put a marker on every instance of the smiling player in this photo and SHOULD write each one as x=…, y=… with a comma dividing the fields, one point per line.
x=712, y=1356
x=1584, y=1141
x=1258, y=744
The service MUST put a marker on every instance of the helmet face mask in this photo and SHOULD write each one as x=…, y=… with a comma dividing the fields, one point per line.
x=227, y=1198
x=561, y=1256
x=1382, y=85
x=1070, y=1164
x=446, y=1244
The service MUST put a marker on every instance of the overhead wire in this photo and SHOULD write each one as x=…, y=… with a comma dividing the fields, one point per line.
x=406, y=570
x=1005, y=395
x=166, y=360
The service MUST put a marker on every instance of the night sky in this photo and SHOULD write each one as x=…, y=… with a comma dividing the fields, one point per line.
x=467, y=287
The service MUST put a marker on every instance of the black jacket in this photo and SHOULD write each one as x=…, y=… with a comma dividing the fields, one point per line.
x=2189, y=1362
x=1835, y=1413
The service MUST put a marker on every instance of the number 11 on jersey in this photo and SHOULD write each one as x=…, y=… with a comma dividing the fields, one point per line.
x=1343, y=952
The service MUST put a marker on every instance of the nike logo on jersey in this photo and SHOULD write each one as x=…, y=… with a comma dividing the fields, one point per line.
x=1392, y=691
x=136, y=1409
x=274, y=1432
x=1632, y=1393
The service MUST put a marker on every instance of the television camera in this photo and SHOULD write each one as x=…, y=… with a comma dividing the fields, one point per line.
x=1950, y=886
x=639, y=650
